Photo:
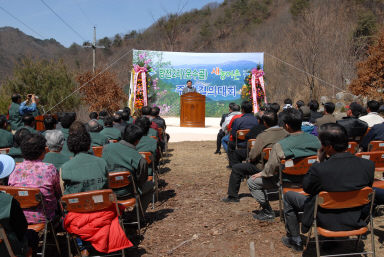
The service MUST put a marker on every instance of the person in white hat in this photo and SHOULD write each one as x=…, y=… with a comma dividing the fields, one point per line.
x=11, y=215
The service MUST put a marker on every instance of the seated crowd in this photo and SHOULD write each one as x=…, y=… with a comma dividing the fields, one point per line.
x=259, y=147
x=62, y=160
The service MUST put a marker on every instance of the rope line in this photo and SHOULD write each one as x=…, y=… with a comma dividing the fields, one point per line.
x=303, y=71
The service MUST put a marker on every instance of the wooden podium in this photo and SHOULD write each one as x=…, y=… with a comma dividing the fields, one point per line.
x=192, y=110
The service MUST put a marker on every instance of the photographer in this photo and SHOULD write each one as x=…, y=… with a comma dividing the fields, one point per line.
x=29, y=106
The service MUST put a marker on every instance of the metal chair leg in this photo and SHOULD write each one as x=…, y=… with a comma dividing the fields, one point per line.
x=138, y=216
x=44, y=239
x=68, y=244
x=55, y=238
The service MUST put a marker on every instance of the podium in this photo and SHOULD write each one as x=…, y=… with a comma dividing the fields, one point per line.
x=192, y=110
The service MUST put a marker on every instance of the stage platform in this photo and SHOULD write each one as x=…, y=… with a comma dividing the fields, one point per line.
x=180, y=134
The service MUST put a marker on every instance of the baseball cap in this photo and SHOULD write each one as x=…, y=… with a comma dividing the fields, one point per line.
x=7, y=165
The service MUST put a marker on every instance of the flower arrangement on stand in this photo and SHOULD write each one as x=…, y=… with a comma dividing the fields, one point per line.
x=143, y=91
x=253, y=89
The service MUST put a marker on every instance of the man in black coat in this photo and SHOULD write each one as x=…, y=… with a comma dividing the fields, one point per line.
x=338, y=171
x=355, y=127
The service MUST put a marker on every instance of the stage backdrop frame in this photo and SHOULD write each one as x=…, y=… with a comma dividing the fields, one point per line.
x=218, y=76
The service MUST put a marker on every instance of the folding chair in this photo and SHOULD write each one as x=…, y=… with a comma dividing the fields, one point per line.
x=375, y=146
x=250, y=145
x=378, y=159
x=294, y=169
x=122, y=179
x=240, y=135
x=266, y=152
x=4, y=239
x=163, y=136
x=339, y=201
x=97, y=151
x=353, y=147
x=4, y=150
x=91, y=201
x=29, y=197
x=155, y=177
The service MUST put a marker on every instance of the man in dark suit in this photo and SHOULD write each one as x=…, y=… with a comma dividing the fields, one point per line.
x=376, y=133
x=338, y=171
x=314, y=106
x=355, y=127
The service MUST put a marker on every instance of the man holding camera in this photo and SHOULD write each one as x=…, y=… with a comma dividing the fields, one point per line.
x=29, y=106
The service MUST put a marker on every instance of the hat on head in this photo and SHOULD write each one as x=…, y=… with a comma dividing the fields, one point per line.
x=7, y=165
x=306, y=112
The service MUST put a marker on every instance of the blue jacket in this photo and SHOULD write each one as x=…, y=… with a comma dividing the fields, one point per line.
x=376, y=133
x=247, y=121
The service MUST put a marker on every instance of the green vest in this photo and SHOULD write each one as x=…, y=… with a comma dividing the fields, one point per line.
x=98, y=139
x=14, y=116
x=56, y=159
x=15, y=153
x=148, y=144
x=84, y=172
x=6, y=138
x=101, y=122
x=120, y=157
x=152, y=132
x=65, y=133
x=111, y=133
x=18, y=247
x=32, y=130
x=300, y=145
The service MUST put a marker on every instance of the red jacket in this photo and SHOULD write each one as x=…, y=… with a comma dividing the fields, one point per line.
x=101, y=229
x=229, y=127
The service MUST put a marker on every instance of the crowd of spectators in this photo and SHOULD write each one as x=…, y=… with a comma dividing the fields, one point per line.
x=60, y=160
x=293, y=133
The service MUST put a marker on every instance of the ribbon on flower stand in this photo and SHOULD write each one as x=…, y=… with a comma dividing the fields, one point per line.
x=254, y=94
x=143, y=71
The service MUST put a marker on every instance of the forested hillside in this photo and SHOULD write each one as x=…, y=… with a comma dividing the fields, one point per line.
x=324, y=38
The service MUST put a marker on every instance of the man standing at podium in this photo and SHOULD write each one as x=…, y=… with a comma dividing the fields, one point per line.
x=189, y=88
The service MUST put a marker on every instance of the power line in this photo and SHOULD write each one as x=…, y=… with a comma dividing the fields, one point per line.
x=86, y=83
x=83, y=12
x=26, y=25
x=58, y=16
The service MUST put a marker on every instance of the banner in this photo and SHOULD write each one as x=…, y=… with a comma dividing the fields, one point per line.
x=218, y=76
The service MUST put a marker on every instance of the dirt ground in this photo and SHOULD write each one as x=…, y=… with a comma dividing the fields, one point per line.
x=190, y=219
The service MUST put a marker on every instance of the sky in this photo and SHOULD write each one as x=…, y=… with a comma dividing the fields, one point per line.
x=109, y=16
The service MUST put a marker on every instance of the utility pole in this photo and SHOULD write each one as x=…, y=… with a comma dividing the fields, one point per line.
x=94, y=46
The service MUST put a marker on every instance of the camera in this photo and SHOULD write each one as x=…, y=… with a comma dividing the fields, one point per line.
x=29, y=95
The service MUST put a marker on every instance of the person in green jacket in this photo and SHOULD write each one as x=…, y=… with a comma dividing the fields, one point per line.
x=84, y=172
x=6, y=137
x=55, y=142
x=123, y=156
x=14, y=113
x=15, y=151
x=12, y=217
x=66, y=121
x=109, y=131
x=146, y=143
x=29, y=123
x=97, y=139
